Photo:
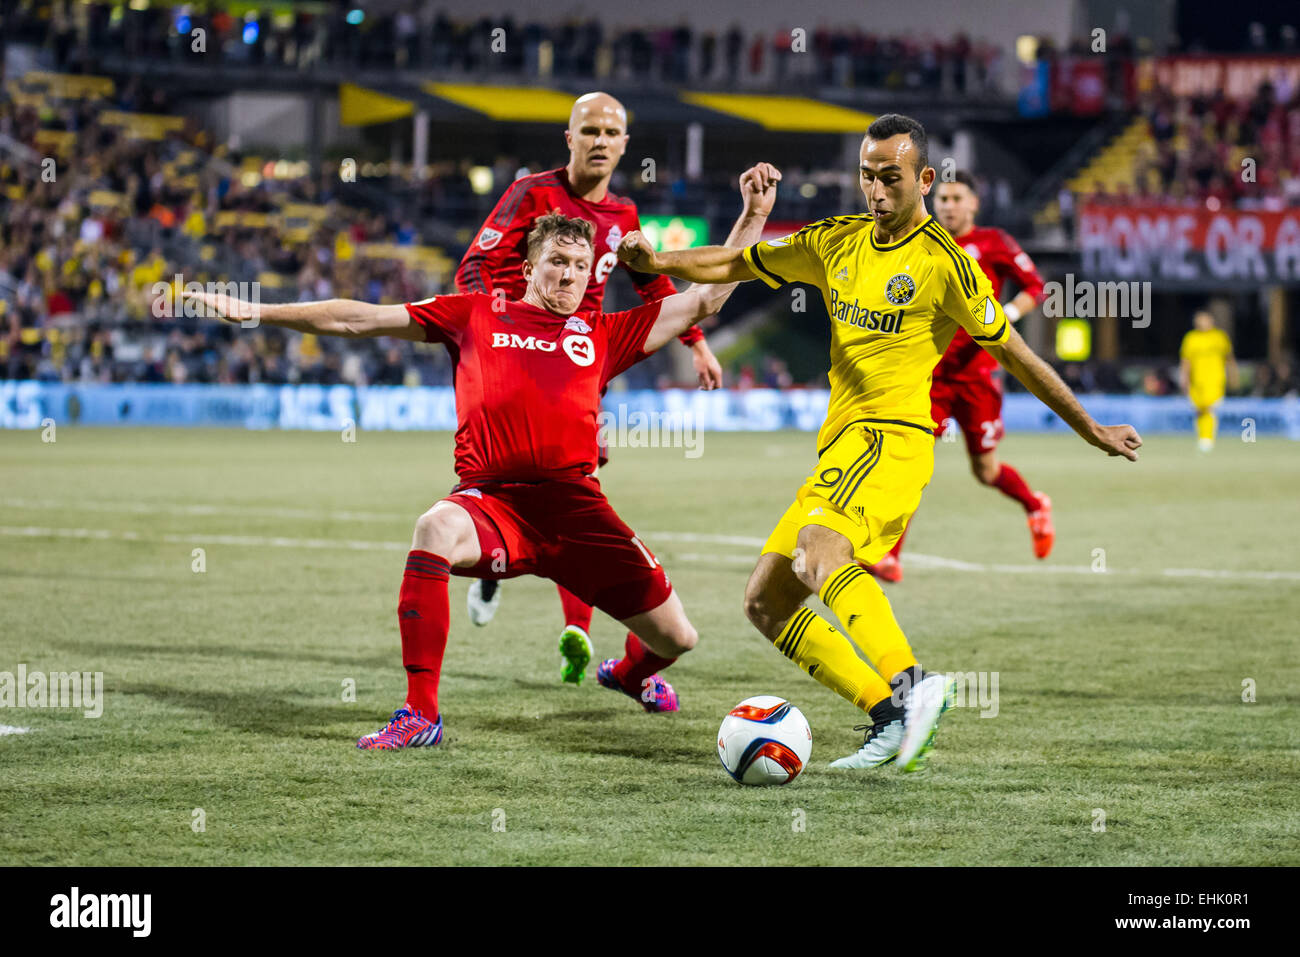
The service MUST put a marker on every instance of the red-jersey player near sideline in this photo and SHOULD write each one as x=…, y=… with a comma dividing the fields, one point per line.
x=597, y=138
x=530, y=374
x=964, y=387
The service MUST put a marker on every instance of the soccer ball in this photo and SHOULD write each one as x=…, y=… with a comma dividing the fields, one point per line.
x=764, y=740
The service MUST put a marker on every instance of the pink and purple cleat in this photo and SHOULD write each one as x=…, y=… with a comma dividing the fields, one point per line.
x=405, y=729
x=657, y=695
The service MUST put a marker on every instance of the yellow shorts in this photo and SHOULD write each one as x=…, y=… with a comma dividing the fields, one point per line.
x=866, y=486
x=1204, y=398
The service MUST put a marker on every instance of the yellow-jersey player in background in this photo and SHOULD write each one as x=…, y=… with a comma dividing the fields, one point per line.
x=1207, y=366
x=896, y=287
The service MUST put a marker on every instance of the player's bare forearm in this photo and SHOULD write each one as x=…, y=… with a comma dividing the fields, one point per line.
x=1041, y=379
x=713, y=264
x=348, y=318
x=707, y=265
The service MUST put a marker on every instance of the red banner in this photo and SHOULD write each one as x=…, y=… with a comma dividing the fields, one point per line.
x=1178, y=245
x=1238, y=77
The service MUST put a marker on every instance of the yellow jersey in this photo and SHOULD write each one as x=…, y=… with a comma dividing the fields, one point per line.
x=894, y=308
x=1207, y=352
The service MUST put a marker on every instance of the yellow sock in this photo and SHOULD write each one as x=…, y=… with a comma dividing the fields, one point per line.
x=863, y=609
x=814, y=644
x=1206, y=425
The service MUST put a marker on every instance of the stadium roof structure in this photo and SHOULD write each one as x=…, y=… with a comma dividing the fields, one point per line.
x=468, y=103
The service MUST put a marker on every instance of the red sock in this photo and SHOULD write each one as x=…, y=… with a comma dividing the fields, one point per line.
x=638, y=663
x=1011, y=484
x=423, y=616
x=576, y=611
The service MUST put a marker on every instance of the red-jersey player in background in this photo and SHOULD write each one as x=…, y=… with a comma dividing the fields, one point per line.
x=530, y=374
x=965, y=388
x=597, y=137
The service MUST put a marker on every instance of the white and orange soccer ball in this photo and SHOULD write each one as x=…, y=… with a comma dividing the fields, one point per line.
x=764, y=740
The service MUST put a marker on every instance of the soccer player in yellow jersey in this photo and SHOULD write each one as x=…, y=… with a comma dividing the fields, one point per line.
x=1206, y=366
x=897, y=288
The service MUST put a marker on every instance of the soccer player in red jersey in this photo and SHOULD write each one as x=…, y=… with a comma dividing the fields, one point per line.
x=964, y=386
x=529, y=376
x=597, y=138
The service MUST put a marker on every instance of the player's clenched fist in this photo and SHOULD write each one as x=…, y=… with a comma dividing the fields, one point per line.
x=1118, y=440
x=758, y=188
x=636, y=251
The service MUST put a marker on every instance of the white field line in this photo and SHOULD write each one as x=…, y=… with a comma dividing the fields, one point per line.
x=149, y=508
x=12, y=729
x=913, y=558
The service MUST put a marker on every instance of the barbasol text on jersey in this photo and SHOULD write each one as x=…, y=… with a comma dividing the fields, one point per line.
x=872, y=320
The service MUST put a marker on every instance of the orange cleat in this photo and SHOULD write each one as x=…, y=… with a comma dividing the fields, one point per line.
x=1040, y=526
x=888, y=569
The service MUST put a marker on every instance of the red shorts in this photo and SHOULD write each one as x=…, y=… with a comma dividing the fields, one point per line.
x=975, y=404
x=568, y=532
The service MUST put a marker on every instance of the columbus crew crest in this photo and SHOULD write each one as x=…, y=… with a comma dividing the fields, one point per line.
x=900, y=289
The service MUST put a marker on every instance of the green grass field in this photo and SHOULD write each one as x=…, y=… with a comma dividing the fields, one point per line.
x=1119, y=691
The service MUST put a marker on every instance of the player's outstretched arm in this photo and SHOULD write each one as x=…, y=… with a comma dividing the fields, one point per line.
x=703, y=264
x=678, y=313
x=713, y=264
x=1041, y=379
x=329, y=317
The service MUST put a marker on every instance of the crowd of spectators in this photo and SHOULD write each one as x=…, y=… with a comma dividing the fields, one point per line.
x=1215, y=152
x=419, y=36
x=86, y=241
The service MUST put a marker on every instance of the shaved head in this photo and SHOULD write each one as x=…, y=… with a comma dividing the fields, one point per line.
x=595, y=106
x=596, y=137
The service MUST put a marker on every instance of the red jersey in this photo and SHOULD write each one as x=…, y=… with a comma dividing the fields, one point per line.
x=528, y=381
x=1003, y=261
x=495, y=259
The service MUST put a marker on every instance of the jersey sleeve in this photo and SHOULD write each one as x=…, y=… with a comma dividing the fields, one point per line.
x=649, y=286
x=966, y=296
x=504, y=230
x=444, y=318
x=1022, y=268
x=1185, y=348
x=794, y=258
x=627, y=332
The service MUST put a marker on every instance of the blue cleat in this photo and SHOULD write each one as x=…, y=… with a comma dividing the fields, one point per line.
x=657, y=695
